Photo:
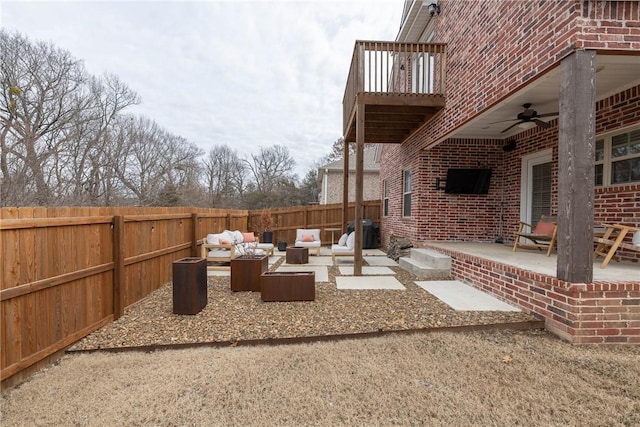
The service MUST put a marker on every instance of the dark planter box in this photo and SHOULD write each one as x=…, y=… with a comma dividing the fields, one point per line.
x=288, y=286
x=246, y=272
x=189, y=285
x=297, y=255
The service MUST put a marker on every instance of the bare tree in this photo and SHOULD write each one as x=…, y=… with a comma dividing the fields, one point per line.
x=64, y=138
x=269, y=167
x=41, y=97
x=225, y=175
x=87, y=161
x=147, y=160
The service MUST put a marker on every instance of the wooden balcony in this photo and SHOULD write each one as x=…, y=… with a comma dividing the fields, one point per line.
x=401, y=85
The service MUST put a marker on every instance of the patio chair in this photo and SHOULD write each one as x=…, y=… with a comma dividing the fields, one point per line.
x=344, y=247
x=309, y=238
x=614, y=239
x=543, y=235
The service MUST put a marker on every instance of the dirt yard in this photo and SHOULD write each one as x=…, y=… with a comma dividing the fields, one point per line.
x=441, y=378
x=498, y=378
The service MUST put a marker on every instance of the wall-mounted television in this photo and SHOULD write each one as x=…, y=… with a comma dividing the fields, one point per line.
x=468, y=181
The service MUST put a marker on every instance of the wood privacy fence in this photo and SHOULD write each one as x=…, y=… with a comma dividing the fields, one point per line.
x=69, y=271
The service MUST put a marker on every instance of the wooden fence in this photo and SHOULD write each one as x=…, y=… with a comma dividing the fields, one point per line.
x=314, y=216
x=69, y=271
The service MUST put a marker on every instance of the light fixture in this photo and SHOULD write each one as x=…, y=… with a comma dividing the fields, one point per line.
x=433, y=9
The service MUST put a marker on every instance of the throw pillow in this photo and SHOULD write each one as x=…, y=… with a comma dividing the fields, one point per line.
x=225, y=242
x=307, y=238
x=351, y=240
x=249, y=237
x=544, y=228
x=343, y=240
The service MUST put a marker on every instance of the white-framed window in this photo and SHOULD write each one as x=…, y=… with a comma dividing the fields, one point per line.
x=385, y=197
x=618, y=158
x=406, y=193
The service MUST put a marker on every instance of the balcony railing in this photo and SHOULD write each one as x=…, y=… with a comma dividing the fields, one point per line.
x=391, y=68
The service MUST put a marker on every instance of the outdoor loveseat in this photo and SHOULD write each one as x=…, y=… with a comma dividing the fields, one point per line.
x=223, y=247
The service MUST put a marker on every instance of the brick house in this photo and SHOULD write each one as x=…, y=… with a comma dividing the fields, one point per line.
x=330, y=178
x=544, y=95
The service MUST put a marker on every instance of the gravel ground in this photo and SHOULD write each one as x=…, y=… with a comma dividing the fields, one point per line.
x=238, y=316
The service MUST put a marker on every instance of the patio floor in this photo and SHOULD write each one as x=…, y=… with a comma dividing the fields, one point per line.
x=538, y=262
x=344, y=306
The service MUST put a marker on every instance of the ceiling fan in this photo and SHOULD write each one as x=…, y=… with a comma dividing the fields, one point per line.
x=527, y=116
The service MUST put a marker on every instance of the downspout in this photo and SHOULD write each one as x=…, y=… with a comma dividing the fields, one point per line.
x=325, y=184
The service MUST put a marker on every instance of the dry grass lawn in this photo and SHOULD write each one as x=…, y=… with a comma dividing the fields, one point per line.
x=498, y=378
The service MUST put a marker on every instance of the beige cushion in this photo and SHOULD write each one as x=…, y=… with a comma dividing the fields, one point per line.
x=219, y=253
x=343, y=240
x=315, y=232
x=315, y=244
x=213, y=239
x=338, y=249
x=351, y=240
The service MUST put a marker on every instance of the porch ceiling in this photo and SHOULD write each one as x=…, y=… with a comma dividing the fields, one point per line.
x=391, y=118
x=614, y=73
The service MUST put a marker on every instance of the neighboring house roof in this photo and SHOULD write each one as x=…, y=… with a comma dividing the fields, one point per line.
x=371, y=160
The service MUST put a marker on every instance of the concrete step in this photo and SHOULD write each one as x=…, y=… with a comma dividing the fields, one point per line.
x=431, y=258
x=424, y=271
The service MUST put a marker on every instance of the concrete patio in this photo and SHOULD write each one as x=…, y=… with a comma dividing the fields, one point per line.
x=538, y=262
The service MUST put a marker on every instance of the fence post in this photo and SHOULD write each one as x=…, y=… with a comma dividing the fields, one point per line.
x=195, y=229
x=118, y=261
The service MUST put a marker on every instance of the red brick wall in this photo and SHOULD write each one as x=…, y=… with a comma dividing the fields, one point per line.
x=460, y=216
x=620, y=203
x=609, y=25
x=493, y=49
x=440, y=216
x=497, y=47
x=592, y=313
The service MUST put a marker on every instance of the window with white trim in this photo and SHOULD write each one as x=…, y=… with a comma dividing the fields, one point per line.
x=618, y=158
x=406, y=193
x=385, y=198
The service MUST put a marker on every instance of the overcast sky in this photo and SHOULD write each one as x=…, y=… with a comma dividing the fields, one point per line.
x=242, y=73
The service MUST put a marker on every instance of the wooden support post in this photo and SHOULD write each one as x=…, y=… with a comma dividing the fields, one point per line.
x=357, y=262
x=118, y=262
x=345, y=187
x=576, y=152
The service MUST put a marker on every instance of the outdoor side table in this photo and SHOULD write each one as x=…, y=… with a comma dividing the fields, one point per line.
x=332, y=230
x=189, y=285
x=297, y=255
